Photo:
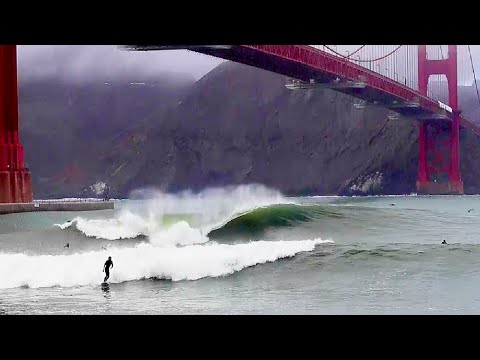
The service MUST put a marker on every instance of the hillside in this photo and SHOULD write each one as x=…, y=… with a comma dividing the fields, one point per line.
x=236, y=125
x=66, y=128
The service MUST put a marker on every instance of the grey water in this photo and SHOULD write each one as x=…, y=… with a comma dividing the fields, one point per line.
x=373, y=255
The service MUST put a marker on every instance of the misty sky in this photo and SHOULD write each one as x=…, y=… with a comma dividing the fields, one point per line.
x=80, y=62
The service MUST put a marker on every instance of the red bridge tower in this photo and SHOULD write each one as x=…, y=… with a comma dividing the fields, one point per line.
x=432, y=163
x=15, y=184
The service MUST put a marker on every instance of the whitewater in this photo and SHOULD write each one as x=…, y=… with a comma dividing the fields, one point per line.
x=246, y=250
x=144, y=262
x=208, y=210
x=172, y=247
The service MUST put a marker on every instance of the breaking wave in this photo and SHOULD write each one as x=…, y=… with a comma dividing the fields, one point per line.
x=145, y=261
x=178, y=244
x=197, y=214
x=260, y=219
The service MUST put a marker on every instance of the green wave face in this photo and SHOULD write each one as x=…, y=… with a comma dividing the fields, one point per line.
x=171, y=219
x=259, y=220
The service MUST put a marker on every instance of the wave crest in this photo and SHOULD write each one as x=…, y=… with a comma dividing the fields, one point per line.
x=154, y=218
x=145, y=261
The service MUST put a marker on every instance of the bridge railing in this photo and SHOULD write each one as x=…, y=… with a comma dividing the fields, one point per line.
x=396, y=62
x=401, y=64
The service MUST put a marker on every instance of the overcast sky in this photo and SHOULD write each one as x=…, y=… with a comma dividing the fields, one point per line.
x=79, y=62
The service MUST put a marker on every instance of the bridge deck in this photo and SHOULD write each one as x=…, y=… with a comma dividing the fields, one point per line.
x=306, y=63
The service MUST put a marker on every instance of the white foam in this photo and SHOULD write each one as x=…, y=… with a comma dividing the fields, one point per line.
x=65, y=225
x=131, y=226
x=144, y=261
x=178, y=234
x=212, y=208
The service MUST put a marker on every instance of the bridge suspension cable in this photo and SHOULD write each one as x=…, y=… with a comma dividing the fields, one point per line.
x=400, y=63
x=397, y=62
x=473, y=70
x=363, y=60
x=356, y=51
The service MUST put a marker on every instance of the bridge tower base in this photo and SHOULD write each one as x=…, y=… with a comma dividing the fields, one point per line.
x=15, y=182
x=439, y=158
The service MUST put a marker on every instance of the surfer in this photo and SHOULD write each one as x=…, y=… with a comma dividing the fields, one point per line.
x=470, y=210
x=67, y=245
x=444, y=242
x=106, y=268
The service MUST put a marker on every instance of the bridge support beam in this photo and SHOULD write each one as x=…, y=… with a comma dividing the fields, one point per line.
x=432, y=162
x=15, y=183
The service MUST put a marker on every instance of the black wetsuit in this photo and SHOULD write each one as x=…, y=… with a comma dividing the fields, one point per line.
x=107, y=265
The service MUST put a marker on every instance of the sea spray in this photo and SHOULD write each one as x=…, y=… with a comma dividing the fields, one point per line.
x=205, y=211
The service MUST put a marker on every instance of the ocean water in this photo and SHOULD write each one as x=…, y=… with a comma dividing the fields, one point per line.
x=246, y=250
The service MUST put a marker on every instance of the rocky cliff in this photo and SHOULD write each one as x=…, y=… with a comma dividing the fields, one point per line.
x=236, y=125
x=67, y=128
